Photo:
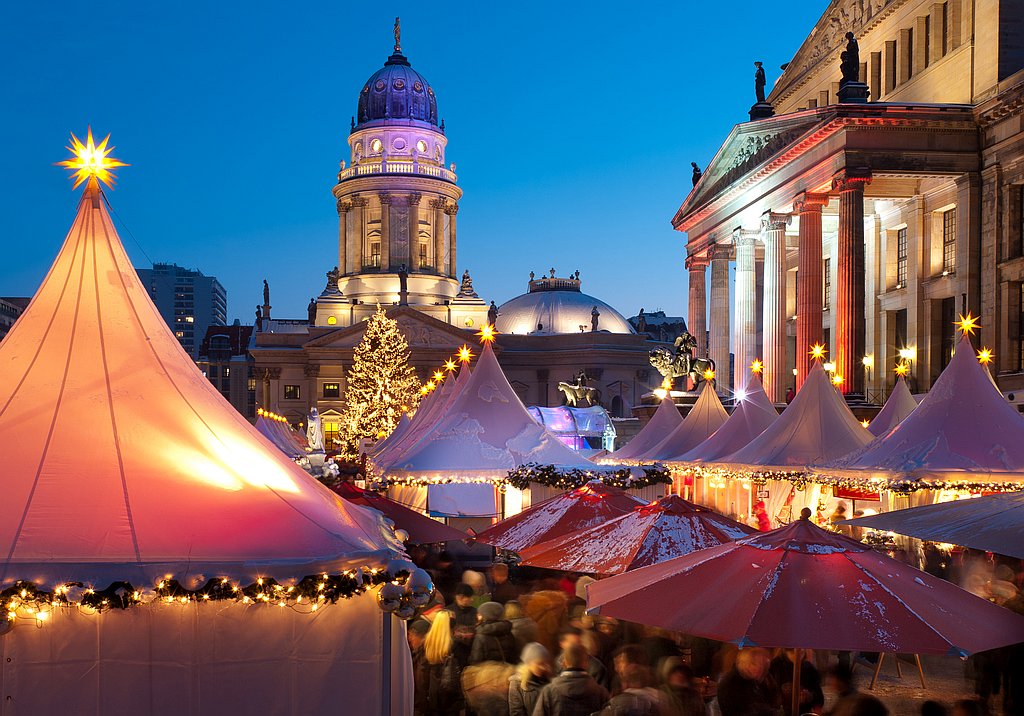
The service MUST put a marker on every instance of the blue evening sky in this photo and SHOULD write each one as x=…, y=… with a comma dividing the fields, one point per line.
x=573, y=126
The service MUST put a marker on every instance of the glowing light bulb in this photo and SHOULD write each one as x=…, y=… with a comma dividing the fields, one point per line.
x=902, y=369
x=709, y=374
x=91, y=160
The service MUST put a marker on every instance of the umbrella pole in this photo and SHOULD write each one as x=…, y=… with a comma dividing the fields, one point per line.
x=797, y=658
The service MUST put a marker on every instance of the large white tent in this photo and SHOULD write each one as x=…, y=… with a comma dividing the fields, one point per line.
x=665, y=419
x=273, y=429
x=705, y=417
x=898, y=406
x=752, y=416
x=124, y=468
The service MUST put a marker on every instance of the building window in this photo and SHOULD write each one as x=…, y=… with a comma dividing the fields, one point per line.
x=332, y=390
x=910, y=53
x=948, y=242
x=291, y=392
x=901, y=258
x=251, y=385
x=214, y=371
x=375, y=254
x=826, y=282
x=945, y=29
x=424, y=261
x=331, y=434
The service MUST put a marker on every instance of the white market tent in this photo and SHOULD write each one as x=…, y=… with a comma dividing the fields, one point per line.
x=898, y=406
x=123, y=464
x=665, y=419
x=752, y=416
x=271, y=430
x=963, y=435
x=705, y=417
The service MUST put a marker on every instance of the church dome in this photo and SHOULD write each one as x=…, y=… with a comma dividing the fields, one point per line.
x=557, y=305
x=398, y=94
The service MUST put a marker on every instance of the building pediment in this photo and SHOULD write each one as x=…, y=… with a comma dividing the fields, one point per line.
x=421, y=331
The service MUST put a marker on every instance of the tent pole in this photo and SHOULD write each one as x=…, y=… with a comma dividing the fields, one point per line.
x=878, y=668
x=797, y=658
x=920, y=670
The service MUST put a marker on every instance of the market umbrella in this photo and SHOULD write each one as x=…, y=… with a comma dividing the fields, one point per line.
x=994, y=523
x=586, y=506
x=803, y=587
x=421, y=528
x=669, y=527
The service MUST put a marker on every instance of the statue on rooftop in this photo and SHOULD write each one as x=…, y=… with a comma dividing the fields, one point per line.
x=641, y=322
x=398, y=34
x=266, y=293
x=492, y=314
x=311, y=311
x=696, y=173
x=259, y=318
x=760, y=82
x=466, y=289
x=595, y=318
x=850, y=60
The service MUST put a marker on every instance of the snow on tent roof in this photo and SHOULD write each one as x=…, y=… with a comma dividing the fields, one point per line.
x=815, y=427
x=485, y=431
x=665, y=419
x=705, y=417
x=899, y=405
x=963, y=425
x=754, y=414
x=270, y=430
x=123, y=462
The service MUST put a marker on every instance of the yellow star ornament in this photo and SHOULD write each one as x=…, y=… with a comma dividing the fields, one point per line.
x=91, y=160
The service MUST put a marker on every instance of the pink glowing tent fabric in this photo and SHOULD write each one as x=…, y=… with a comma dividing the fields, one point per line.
x=752, y=416
x=898, y=406
x=586, y=506
x=647, y=534
x=804, y=587
x=485, y=431
x=421, y=529
x=705, y=417
x=817, y=426
x=123, y=462
x=963, y=431
x=665, y=419
x=993, y=523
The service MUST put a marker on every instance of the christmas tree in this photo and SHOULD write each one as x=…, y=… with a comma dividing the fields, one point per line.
x=381, y=385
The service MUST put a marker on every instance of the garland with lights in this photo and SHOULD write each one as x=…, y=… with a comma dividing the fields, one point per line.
x=551, y=476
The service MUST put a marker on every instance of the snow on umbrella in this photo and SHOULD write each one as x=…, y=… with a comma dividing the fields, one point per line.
x=571, y=511
x=994, y=523
x=667, y=528
x=421, y=529
x=803, y=587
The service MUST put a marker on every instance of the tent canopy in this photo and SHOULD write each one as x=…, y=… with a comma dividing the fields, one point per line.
x=754, y=414
x=898, y=406
x=705, y=417
x=123, y=462
x=665, y=419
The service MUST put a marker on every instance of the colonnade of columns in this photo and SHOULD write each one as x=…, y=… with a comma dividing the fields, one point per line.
x=849, y=305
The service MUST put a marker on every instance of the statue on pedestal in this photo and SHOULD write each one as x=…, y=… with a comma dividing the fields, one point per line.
x=266, y=293
x=696, y=173
x=259, y=319
x=311, y=311
x=850, y=61
x=578, y=390
x=759, y=82
x=641, y=322
x=680, y=363
x=314, y=431
x=595, y=318
x=492, y=314
x=466, y=289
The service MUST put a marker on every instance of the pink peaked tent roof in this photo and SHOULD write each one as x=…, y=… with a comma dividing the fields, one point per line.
x=586, y=506
x=899, y=405
x=665, y=419
x=123, y=462
x=963, y=428
x=270, y=429
x=705, y=417
x=667, y=528
x=754, y=414
x=815, y=427
x=485, y=431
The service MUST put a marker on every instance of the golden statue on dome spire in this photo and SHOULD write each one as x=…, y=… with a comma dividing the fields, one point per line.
x=398, y=34
x=91, y=161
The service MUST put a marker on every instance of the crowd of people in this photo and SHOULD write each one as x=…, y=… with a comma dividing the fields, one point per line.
x=516, y=641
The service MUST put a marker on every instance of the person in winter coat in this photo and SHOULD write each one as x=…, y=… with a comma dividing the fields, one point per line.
x=747, y=689
x=444, y=693
x=573, y=692
x=465, y=621
x=571, y=636
x=524, y=629
x=811, y=695
x=681, y=698
x=416, y=635
x=533, y=674
x=638, y=697
x=493, y=640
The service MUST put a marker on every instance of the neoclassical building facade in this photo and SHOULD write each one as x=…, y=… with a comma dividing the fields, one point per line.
x=869, y=226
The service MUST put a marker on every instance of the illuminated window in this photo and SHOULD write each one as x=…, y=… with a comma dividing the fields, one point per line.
x=375, y=254
x=332, y=390
x=251, y=386
x=227, y=371
x=190, y=319
x=291, y=392
x=421, y=146
x=179, y=334
x=949, y=241
x=331, y=320
x=423, y=253
x=901, y=258
x=375, y=146
x=826, y=282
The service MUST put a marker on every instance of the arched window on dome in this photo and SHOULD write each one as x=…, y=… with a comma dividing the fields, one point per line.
x=617, y=407
x=425, y=246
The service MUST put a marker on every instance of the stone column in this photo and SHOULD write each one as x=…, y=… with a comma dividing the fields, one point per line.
x=385, y=232
x=745, y=328
x=438, y=206
x=271, y=389
x=343, y=208
x=849, y=340
x=358, y=239
x=414, y=232
x=774, y=311
x=312, y=372
x=697, y=316
x=718, y=347
x=808, y=282
x=452, y=210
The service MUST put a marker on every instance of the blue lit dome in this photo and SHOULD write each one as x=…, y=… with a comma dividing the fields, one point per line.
x=396, y=94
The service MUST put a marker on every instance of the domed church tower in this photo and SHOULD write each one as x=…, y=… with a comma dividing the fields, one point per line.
x=397, y=206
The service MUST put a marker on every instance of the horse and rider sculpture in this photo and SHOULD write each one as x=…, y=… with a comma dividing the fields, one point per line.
x=679, y=362
x=578, y=391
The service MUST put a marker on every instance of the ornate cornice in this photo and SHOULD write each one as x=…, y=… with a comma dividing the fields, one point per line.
x=312, y=370
x=697, y=262
x=452, y=209
x=385, y=198
x=414, y=199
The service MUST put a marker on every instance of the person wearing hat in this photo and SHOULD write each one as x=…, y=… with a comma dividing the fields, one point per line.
x=493, y=640
x=532, y=674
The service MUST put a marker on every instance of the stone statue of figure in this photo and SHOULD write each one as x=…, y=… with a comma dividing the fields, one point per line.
x=492, y=314
x=532, y=275
x=850, y=60
x=759, y=82
x=314, y=431
x=398, y=34
x=595, y=318
x=266, y=293
x=311, y=311
x=641, y=322
x=259, y=318
x=696, y=173
x=403, y=284
x=466, y=289
x=332, y=278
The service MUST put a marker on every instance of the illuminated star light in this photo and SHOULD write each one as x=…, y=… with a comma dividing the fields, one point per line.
x=865, y=423
x=967, y=324
x=817, y=351
x=709, y=374
x=487, y=333
x=450, y=365
x=757, y=366
x=902, y=369
x=985, y=356
x=465, y=354
x=837, y=380
x=91, y=160
x=438, y=376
